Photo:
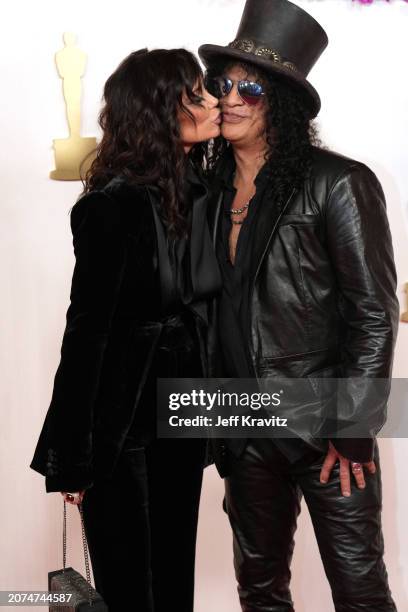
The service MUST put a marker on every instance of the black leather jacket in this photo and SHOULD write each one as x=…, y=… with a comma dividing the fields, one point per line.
x=322, y=285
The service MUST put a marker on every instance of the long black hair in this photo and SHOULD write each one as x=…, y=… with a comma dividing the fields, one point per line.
x=290, y=130
x=141, y=134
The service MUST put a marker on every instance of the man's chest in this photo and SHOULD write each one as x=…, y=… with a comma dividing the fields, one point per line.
x=238, y=216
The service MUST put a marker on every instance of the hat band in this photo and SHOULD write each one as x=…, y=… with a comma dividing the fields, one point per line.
x=249, y=46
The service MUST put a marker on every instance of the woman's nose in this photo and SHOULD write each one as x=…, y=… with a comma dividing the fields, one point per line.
x=213, y=101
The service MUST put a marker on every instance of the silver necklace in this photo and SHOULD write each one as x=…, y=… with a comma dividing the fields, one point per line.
x=238, y=211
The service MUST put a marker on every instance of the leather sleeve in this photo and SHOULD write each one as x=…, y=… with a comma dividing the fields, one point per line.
x=100, y=252
x=360, y=246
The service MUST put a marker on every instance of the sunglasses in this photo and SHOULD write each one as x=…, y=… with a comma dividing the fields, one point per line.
x=249, y=91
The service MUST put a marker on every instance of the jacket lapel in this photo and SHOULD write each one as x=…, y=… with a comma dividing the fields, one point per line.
x=267, y=223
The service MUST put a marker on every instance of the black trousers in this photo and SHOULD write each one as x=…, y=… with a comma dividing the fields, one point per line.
x=141, y=526
x=263, y=495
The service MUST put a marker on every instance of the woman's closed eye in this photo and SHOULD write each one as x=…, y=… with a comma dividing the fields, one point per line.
x=196, y=97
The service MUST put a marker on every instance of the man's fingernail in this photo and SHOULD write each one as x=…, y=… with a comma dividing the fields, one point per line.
x=346, y=493
x=361, y=486
x=323, y=480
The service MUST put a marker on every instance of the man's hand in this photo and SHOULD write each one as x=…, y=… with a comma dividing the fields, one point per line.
x=357, y=468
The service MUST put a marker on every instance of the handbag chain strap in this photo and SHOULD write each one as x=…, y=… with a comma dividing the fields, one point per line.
x=85, y=545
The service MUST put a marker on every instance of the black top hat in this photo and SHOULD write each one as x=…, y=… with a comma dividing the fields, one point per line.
x=279, y=37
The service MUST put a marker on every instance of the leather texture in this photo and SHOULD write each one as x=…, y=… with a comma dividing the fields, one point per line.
x=262, y=500
x=323, y=289
x=113, y=328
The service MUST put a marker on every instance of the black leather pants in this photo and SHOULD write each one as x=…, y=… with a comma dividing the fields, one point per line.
x=263, y=495
x=141, y=527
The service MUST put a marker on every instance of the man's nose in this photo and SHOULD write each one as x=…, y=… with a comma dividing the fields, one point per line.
x=233, y=98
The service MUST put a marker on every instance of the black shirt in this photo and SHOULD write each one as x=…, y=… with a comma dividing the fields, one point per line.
x=234, y=302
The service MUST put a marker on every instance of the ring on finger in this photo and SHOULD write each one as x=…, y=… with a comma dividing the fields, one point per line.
x=356, y=468
x=72, y=496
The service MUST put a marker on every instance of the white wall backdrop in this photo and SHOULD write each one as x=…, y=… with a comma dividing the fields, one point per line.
x=362, y=81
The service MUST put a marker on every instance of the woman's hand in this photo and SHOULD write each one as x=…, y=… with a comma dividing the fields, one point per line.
x=73, y=498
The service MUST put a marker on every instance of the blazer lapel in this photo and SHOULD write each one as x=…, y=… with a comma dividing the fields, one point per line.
x=214, y=214
x=165, y=271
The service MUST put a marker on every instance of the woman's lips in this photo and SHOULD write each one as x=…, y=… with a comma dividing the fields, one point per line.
x=232, y=118
x=217, y=120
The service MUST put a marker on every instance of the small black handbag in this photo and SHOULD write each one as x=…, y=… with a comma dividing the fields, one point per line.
x=68, y=581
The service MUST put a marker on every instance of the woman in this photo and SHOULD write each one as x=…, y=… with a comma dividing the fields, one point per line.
x=144, y=272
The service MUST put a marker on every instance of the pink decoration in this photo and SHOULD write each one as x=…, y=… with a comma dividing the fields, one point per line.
x=371, y=1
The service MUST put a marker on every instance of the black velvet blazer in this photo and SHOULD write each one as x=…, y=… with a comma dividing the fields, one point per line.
x=113, y=324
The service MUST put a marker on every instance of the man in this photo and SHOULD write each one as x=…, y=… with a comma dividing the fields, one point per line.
x=304, y=246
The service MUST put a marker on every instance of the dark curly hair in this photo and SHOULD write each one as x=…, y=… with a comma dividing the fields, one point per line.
x=141, y=135
x=290, y=131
